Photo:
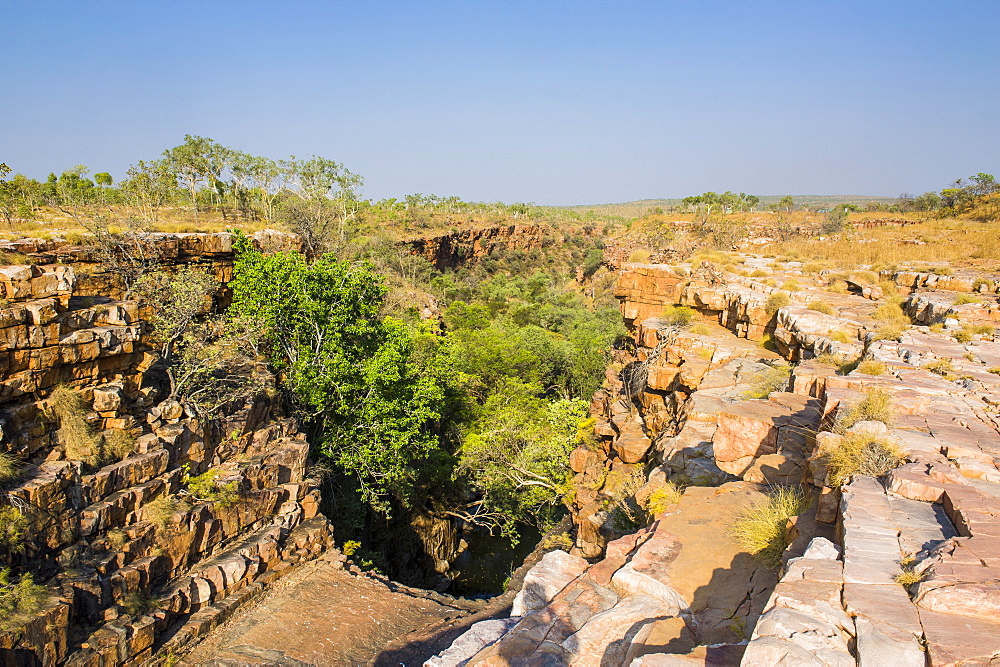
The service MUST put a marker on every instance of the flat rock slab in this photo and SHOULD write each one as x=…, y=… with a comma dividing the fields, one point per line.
x=322, y=616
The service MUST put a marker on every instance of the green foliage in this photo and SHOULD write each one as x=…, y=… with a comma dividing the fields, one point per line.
x=678, y=315
x=760, y=526
x=516, y=453
x=862, y=454
x=20, y=600
x=770, y=379
x=662, y=498
x=13, y=526
x=360, y=378
x=209, y=488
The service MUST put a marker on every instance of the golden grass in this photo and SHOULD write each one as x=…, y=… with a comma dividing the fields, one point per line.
x=875, y=406
x=862, y=454
x=821, y=307
x=871, y=367
x=765, y=381
x=776, y=301
x=760, y=526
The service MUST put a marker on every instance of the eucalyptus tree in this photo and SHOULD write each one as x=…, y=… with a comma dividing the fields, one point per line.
x=321, y=202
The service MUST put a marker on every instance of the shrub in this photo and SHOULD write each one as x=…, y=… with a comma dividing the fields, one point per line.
x=760, y=526
x=207, y=487
x=967, y=298
x=890, y=313
x=678, y=315
x=116, y=538
x=776, y=301
x=137, y=604
x=764, y=381
x=20, y=600
x=759, y=273
x=862, y=454
x=662, y=498
x=558, y=541
x=13, y=526
x=821, y=307
x=350, y=547
x=875, y=406
x=963, y=335
x=639, y=256
x=10, y=468
x=871, y=367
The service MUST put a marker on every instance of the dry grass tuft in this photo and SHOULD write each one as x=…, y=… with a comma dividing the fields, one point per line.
x=862, y=454
x=821, y=307
x=660, y=500
x=872, y=367
x=760, y=527
x=875, y=406
x=776, y=301
x=75, y=433
x=765, y=381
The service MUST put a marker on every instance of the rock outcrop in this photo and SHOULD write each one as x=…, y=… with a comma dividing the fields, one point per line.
x=136, y=564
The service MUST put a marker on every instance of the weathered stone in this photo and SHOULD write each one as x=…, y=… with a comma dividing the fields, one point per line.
x=543, y=581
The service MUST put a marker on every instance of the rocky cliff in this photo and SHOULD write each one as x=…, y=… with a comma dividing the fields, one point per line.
x=449, y=251
x=135, y=563
x=897, y=565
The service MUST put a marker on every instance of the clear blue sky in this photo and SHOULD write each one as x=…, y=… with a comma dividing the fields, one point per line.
x=550, y=102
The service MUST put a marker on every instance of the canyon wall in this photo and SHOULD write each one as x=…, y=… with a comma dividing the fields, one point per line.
x=134, y=563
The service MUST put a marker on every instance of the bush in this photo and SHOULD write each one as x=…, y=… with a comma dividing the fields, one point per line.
x=963, y=335
x=821, y=307
x=760, y=527
x=10, y=468
x=763, y=382
x=776, y=301
x=875, y=406
x=862, y=454
x=118, y=444
x=661, y=499
x=20, y=600
x=13, y=526
x=558, y=541
x=872, y=367
x=207, y=487
x=678, y=315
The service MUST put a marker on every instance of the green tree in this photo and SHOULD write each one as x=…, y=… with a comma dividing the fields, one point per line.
x=787, y=203
x=352, y=373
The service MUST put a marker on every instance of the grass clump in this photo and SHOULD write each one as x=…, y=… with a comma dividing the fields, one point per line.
x=995, y=370
x=10, y=468
x=821, y=307
x=875, y=406
x=160, y=511
x=660, y=500
x=765, y=381
x=862, y=454
x=117, y=444
x=20, y=600
x=137, y=604
x=558, y=541
x=937, y=327
x=942, y=367
x=760, y=526
x=699, y=329
x=889, y=331
x=871, y=367
x=776, y=301
x=13, y=526
x=967, y=298
x=759, y=273
x=75, y=434
x=116, y=538
x=680, y=316
x=840, y=336
x=791, y=286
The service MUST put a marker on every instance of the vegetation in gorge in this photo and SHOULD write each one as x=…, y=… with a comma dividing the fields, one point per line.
x=760, y=526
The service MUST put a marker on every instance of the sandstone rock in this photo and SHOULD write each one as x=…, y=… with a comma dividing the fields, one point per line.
x=472, y=641
x=543, y=581
x=605, y=638
x=647, y=572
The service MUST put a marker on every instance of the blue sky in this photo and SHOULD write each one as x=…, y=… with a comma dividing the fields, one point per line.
x=549, y=102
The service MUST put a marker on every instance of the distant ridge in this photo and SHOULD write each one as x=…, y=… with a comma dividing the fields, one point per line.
x=640, y=206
